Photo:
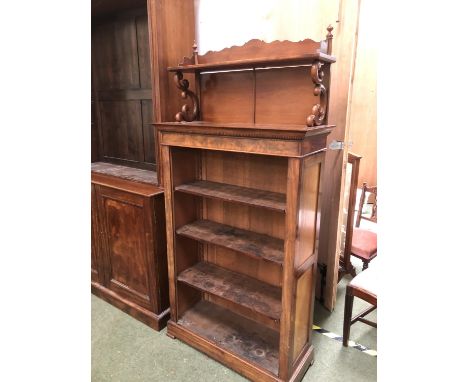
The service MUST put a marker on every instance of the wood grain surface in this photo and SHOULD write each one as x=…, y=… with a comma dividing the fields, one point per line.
x=247, y=242
x=235, y=287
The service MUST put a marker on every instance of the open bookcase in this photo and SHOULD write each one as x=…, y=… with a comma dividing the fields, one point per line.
x=242, y=189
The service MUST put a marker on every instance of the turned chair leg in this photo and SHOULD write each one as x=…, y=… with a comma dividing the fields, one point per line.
x=348, y=312
x=365, y=264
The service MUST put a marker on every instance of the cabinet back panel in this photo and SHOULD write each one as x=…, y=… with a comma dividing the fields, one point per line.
x=227, y=97
x=284, y=95
x=148, y=131
x=115, y=55
x=262, y=270
x=272, y=95
x=120, y=138
x=255, y=219
x=187, y=297
x=185, y=165
x=144, y=64
x=245, y=312
x=122, y=80
x=255, y=171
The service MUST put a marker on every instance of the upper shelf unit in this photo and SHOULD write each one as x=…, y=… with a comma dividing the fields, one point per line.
x=255, y=95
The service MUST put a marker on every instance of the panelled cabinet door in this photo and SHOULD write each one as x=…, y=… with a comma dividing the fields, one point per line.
x=127, y=242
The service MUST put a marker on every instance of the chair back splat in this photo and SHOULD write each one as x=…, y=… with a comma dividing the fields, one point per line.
x=373, y=217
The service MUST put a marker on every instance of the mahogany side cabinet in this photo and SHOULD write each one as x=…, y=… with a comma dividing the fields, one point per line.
x=128, y=261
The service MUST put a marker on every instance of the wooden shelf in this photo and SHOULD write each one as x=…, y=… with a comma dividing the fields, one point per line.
x=305, y=59
x=238, y=335
x=240, y=240
x=228, y=192
x=238, y=288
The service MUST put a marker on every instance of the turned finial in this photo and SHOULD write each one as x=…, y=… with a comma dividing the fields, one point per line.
x=195, y=52
x=329, y=39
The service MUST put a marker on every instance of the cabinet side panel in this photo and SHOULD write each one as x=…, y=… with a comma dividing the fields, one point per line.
x=161, y=253
x=308, y=210
x=94, y=237
x=289, y=282
x=306, y=247
x=166, y=162
x=302, y=312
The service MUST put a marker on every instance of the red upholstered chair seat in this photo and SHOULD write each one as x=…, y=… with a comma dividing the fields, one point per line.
x=364, y=244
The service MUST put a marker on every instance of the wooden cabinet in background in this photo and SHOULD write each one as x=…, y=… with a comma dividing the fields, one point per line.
x=131, y=43
x=128, y=262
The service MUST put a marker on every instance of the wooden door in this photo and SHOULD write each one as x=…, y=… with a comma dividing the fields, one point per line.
x=128, y=252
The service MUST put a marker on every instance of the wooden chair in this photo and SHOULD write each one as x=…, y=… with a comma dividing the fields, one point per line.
x=364, y=241
x=364, y=286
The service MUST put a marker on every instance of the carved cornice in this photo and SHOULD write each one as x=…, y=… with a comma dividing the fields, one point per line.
x=187, y=114
x=256, y=49
x=238, y=133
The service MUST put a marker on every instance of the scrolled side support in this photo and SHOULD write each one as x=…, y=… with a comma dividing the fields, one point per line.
x=319, y=110
x=187, y=113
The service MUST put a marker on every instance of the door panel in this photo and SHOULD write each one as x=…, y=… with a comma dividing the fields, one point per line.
x=127, y=256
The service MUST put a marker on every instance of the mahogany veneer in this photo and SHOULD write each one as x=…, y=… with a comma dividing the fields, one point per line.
x=242, y=193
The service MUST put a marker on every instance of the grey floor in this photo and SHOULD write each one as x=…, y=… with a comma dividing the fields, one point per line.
x=125, y=350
